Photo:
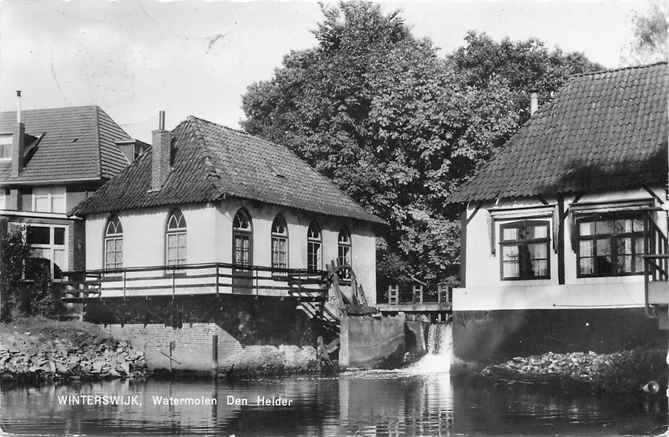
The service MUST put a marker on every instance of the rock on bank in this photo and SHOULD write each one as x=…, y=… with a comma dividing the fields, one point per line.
x=38, y=350
x=619, y=372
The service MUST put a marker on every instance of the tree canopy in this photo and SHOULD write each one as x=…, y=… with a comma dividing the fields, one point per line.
x=397, y=126
x=649, y=29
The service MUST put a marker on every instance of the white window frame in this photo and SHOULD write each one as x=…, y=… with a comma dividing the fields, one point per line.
x=51, y=246
x=4, y=135
x=176, y=233
x=50, y=194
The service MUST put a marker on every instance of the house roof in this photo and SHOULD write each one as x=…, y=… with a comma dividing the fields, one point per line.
x=213, y=162
x=73, y=143
x=603, y=131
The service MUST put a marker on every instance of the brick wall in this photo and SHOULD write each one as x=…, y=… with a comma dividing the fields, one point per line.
x=193, y=344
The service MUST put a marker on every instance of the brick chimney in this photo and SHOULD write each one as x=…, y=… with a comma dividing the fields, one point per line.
x=534, y=102
x=18, y=139
x=161, y=148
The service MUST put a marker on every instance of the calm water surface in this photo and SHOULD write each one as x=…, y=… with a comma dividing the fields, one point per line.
x=369, y=403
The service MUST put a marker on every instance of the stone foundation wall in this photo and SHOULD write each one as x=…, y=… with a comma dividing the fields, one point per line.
x=193, y=345
x=487, y=336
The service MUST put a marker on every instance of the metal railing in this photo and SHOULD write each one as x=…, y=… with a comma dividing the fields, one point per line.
x=205, y=278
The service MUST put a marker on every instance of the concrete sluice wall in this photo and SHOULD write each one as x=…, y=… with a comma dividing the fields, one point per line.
x=368, y=342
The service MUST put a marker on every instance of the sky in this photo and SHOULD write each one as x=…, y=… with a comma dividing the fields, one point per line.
x=135, y=57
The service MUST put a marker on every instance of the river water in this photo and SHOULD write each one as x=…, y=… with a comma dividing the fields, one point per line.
x=422, y=400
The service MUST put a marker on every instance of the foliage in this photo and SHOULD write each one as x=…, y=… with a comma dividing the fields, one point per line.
x=397, y=126
x=37, y=295
x=527, y=66
x=650, y=34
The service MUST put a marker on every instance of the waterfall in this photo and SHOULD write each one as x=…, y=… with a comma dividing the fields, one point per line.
x=439, y=356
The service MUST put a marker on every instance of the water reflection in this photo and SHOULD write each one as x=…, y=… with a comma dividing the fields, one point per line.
x=369, y=403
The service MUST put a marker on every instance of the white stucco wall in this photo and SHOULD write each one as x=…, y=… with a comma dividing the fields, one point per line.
x=485, y=290
x=209, y=230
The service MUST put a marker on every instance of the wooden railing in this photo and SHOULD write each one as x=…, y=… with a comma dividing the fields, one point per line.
x=396, y=295
x=207, y=278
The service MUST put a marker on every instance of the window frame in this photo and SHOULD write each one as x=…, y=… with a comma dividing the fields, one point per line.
x=283, y=237
x=318, y=266
x=51, y=246
x=176, y=233
x=245, y=232
x=613, y=238
x=523, y=224
x=6, y=145
x=49, y=194
x=117, y=236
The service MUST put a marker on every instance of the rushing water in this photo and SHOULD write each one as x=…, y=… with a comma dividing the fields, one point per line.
x=421, y=400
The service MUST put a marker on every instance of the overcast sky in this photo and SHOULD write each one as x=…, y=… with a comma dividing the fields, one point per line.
x=135, y=57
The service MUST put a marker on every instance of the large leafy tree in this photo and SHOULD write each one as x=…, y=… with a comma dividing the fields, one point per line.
x=527, y=66
x=649, y=43
x=394, y=124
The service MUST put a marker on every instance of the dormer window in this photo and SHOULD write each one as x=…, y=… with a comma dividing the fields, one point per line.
x=5, y=146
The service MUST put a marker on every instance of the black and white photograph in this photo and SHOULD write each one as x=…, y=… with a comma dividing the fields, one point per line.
x=335, y=218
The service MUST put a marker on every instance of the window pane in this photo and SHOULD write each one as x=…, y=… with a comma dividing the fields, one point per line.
x=638, y=264
x=624, y=246
x=38, y=235
x=637, y=225
x=586, y=248
x=59, y=236
x=603, y=246
x=639, y=246
x=585, y=266
x=624, y=264
x=509, y=234
x=623, y=225
x=42, y=204
x=538, y=250
x=509, y=253
x=604, y=226
x=510, y=270
x=539, y=231
x=603, y=265
x=540, y=268
x=58, y=204
x=59, y=263
x=586, y=228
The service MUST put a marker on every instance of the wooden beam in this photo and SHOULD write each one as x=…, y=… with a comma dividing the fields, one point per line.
x=652, y=193
x=476, y=209
x=560, y=238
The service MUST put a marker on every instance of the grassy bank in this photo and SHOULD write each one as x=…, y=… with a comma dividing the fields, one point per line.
x=39, y=350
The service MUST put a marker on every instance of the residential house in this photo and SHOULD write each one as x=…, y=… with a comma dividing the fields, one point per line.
x=555, y=227
x=214, y=210
x=51, y=160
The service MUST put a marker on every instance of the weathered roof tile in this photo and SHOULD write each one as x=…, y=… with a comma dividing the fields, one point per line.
x=602, y=131
x=213, y=162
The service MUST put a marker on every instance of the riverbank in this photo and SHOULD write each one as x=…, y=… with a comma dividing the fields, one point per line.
x=619, y=372
x=37, y=350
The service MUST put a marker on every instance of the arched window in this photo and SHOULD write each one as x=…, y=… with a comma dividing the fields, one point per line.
x=314, y=248
x=175, y=239
x=344, y=248
x=279, y=244
x=242, y=233
x=113, y=244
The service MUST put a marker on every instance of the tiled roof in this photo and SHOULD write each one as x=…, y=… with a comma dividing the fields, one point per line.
x=213, y=162
x=602, y=131
x=77, y=143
